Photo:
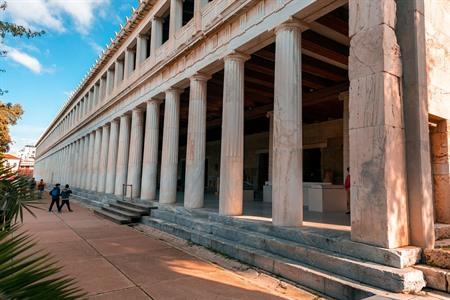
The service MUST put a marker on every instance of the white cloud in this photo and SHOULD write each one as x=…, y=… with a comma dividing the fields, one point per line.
x=24, y=59
x=49, y=14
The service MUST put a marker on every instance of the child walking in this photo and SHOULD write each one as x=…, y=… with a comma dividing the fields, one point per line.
x=65, y=193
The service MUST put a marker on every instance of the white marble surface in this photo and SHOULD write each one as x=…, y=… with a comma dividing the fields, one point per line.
x=135, y=154
x=150, y=159
x=122, y=155
x=196, y=139
x=232, y=143
x=112, y=157
x=287, y=194
x=169, y=162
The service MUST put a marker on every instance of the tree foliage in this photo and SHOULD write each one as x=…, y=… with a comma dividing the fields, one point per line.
x=9, y=115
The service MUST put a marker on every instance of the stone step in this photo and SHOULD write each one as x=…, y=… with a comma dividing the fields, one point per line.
x=389, y=278
x=136, y=205
x=129, y=209
x=330, y=240
x=112, y=217
x=442, y=231
x=323, y=281
x=445, y=243
x=438, y=258
x=436, y=278
x=122, y=213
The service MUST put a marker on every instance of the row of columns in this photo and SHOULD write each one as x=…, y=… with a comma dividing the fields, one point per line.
x=125, y=151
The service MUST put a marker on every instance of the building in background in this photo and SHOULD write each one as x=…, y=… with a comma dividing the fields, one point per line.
x=12, y=161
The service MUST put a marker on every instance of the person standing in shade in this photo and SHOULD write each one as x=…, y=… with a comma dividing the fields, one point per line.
x=40, y=187
x=347, y=190
x=65, y=193
x=55, y=193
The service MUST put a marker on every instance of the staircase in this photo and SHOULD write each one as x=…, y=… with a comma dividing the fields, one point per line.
x=123, y=212
x=324, y=260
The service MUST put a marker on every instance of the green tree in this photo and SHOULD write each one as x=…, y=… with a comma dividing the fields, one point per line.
x=9, y=115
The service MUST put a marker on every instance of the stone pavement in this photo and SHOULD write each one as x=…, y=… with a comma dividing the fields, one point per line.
x=119, y=262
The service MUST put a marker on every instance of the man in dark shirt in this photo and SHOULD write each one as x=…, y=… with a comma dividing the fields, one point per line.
x=65, y=193
x=55, y=193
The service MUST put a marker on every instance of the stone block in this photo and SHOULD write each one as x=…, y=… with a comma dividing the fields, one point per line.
x=373, y=51
x=438, y=258
x=375, y=101
x=367, y=14
x=378, y=193
x=436, y=278
x=442, y=231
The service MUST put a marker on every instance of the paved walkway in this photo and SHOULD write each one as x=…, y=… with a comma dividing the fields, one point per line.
x=118, y=262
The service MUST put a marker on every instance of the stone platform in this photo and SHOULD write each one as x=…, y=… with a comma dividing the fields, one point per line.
x=321, y=259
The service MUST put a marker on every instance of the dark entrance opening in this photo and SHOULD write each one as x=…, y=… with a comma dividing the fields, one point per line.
x=312, y=165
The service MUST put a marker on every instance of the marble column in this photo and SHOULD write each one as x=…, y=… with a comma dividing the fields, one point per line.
x=150, y=160
x=90, y=167
x=196, y=143
x=440, y=162
x=129, y=62
x=112, y=157
x=90, y=101
x=119, y=72
x=141, y=49
x=81, y=164
x=78, y=162
x=379, y=202
x=96, y=96
x=176, y=16
x=85, y=165
x=135, y=156
x=287, y=176
x=101, y=90
x=103, y=163
x=232, y=143
x=156, y=36
x=96, y=158
x=169, y=161
x=109, y=81
x=122, y=154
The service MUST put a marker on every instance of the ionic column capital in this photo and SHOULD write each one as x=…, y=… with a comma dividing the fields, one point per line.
x=237, y=56
x=292, y=23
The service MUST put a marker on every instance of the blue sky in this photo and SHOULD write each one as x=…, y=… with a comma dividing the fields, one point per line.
x=41, y=72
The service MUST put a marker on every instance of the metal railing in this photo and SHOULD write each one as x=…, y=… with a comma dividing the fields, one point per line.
x=124, y=191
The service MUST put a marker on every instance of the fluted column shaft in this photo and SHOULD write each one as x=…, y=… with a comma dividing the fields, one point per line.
x=287, y=176
x=90, y=168
x=96, y=158
x=129, y=62
x=156, y=37
x=119, y=72
x=169, y=162
x=89, y=161
x=122, y=154
x=150, y=160
x=103, y=163
x=78, y=162
x=109, y=81
x=112, y=157
x=84, y=170
x=232, y=144
x=196, y=139
x=82, y=163
x=176, y=16
x=141, y=49
x=136, y=148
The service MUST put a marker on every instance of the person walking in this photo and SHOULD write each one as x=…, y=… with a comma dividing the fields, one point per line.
x=65, y=193
x=55, y=193
x=40, y=187
x=347, y=190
